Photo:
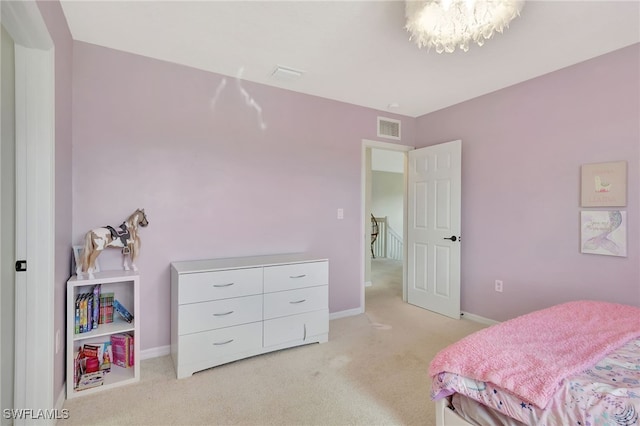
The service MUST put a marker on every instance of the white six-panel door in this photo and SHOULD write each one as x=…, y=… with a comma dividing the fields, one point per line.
x=433, y=219
x=34, y=205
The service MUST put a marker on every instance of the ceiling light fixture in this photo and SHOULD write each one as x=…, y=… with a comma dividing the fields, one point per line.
x=447, y=24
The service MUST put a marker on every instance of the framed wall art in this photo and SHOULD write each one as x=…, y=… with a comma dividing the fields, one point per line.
x=604, y=184
x=603, y=232
x=76, y=259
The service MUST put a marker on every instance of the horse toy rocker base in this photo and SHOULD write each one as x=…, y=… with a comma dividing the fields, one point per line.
x=124, y=237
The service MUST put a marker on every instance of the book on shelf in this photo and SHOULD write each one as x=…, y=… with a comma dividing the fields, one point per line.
x=83, y=313
x=90, y=380
x=131, y=352
x=95, y=311
x=77, y=367
x=122, y=350
x=77, y=315
x=106, y=355
x=88, y=310
x=90, y=350
x=91, y=362
x=120, y=309
x=106, y=308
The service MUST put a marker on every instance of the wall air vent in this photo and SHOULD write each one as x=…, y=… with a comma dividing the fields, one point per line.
x=388, y=128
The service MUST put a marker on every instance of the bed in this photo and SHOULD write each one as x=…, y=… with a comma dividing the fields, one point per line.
x=576, y=363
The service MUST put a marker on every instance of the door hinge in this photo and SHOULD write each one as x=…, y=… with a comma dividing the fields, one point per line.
x=21, y=266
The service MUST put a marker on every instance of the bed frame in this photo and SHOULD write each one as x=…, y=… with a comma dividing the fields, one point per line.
x=445, y=416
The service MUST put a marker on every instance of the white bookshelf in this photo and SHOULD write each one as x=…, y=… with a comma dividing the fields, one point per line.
x=126, y=288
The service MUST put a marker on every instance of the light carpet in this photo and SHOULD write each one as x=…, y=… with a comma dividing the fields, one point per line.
x=372, y=371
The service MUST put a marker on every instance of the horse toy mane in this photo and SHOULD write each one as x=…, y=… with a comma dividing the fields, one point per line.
x=124, y=237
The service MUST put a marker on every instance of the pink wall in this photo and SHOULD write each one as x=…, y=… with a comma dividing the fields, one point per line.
x=521, y=156
x=213, y=182
x=59, y=32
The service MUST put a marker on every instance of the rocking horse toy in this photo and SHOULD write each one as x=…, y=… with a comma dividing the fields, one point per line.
x=124, y=237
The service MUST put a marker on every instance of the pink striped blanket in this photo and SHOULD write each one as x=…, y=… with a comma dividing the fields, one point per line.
x=530, y=355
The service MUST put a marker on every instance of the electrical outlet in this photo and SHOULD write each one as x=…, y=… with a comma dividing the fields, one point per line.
x=499, y=286
x=340, y=213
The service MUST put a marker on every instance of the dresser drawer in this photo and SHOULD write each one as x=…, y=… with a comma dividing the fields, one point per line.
x=212, y=345
x=296, y=328
x=196, y=317
x=294, y=276
x=293, y=302
x=203, y=286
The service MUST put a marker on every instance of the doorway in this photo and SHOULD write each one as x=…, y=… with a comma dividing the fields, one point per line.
x=385, y=164
x=432, y=218
x=387, y=223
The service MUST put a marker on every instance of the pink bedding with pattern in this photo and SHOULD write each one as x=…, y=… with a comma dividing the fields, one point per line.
x=600, y=386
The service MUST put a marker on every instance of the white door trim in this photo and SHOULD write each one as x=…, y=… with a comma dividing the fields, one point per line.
x=364, y=207
x=35, y=140
x=22, y=19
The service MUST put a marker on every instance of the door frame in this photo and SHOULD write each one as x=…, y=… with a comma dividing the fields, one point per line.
x=365, y=206
x=35, y=138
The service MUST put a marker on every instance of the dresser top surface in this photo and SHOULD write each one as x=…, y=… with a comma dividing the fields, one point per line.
x=206, y=265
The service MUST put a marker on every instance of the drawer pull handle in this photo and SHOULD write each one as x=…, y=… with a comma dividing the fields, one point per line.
x=223, y=314
x=305, y=333
x=298, y=276
x=298, y=301
x=222, y=343
x=223, y=285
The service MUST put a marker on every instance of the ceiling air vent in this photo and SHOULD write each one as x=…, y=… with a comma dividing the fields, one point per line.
x=286, y=73
x=388, y=128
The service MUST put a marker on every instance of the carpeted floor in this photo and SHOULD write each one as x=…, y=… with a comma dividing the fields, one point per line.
x=373, y=371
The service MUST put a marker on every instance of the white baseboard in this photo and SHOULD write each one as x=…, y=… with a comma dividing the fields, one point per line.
x=478, y=318
x=347, y=313
x=368, y=284
x=155, y=352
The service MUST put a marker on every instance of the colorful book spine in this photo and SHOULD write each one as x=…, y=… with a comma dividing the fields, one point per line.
x=83, y=313
x=89, y=311
x=77, y=315
x=124, y=313
x=120, y=349
x=106, y=308
x=77, y=367
x=131, y=352
x=95, y=312
x=107, y=356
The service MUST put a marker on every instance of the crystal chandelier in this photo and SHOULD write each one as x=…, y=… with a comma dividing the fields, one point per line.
x=447, y=24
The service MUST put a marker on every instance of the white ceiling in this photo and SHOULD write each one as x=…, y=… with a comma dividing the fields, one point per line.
x=354, y=51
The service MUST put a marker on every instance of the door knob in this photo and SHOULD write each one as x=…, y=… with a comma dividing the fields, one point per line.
x=452, y=238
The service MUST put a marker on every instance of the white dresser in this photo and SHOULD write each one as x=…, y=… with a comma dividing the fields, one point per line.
x=223, y=310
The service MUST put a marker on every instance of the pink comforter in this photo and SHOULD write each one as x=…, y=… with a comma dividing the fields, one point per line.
x=530, y=355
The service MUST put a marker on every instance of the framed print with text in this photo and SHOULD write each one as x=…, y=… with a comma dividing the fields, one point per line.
x=603, y=232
